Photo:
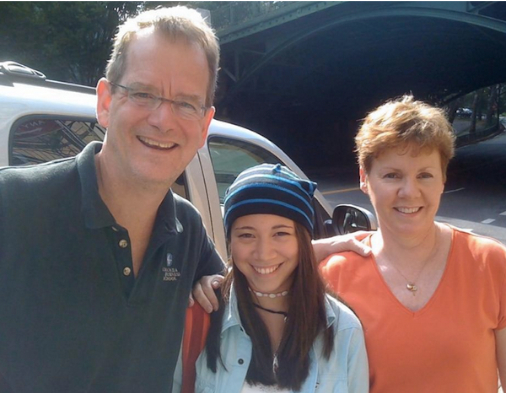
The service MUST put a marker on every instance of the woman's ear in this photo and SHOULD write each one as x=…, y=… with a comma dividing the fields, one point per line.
x=363, y=181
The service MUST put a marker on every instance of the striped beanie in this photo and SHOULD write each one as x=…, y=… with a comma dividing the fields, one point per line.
x=270, y=189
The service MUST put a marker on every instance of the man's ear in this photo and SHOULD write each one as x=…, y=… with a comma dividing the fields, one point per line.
x=363, y=181
x=206, y=122
x=104, y=97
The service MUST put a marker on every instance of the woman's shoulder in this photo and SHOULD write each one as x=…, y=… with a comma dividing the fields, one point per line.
x=341, y=314
x=342, y=263
x=477, y=244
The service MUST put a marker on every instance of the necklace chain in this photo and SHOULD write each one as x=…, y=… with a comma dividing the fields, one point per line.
x=411, y=284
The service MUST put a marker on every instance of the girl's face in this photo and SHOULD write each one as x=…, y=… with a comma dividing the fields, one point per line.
x=405, y=190
x=265, y=249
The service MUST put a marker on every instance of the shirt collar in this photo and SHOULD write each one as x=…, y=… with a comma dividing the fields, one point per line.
x=166, y=217
x=331, y=314
x=231, y=316
x=96, y=214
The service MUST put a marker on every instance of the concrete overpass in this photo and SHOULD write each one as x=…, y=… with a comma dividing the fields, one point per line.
x=303, y=73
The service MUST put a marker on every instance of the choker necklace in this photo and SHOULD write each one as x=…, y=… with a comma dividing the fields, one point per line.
x=285, y=314
x=271, y=295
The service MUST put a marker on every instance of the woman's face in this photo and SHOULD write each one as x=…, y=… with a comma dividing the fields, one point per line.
x=265, y=249
x=405, y=190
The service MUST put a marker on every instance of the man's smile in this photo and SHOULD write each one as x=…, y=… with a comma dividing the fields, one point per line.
x=154, y=144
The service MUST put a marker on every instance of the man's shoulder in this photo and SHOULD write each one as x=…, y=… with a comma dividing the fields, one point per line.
x=37, y=185
x=36, y=173
x=185, y=209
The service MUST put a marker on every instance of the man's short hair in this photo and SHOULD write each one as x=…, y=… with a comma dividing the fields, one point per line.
x=175, y=23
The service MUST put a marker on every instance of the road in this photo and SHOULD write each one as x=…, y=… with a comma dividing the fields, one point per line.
x=474, y=197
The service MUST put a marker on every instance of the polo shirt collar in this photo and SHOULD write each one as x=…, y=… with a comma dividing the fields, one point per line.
x=167, y=215
x=96, y=214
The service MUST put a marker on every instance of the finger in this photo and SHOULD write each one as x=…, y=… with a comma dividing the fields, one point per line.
x=191, y=302
x=217, y=281
x=209, y=284
x=360, y=235
x=201, y=298
x=361, y=248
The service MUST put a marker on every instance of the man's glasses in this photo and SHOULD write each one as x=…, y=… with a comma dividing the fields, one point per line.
x=183, y=109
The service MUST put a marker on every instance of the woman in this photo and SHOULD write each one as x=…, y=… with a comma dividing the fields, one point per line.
x=431, y=297
x=276, y=330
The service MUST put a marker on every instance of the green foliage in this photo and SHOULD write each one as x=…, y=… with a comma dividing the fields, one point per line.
x=71, y=41
x=68, y=41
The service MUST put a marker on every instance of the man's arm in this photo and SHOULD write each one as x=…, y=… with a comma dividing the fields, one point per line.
x=203, y=290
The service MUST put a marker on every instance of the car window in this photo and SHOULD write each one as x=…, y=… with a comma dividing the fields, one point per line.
x=230, y=157
x=37, y=140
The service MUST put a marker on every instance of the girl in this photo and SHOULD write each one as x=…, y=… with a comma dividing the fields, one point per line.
x=276, y=330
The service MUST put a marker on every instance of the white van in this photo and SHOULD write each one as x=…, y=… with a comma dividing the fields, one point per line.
x=42, y=120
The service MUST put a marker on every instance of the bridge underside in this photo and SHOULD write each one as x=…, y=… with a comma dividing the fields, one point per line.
x=308, y=82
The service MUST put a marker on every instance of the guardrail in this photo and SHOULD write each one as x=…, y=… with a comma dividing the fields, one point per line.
x=481, y=135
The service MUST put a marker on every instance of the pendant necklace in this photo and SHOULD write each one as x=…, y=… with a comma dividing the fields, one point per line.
x=411, y=284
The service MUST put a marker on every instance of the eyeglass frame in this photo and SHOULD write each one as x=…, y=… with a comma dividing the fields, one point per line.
x=160, y=100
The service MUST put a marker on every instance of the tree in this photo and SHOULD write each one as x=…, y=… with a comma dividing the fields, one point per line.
x=68, y=41
x=71, y=41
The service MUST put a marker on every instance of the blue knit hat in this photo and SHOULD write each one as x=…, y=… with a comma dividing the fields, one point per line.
x=270, y=189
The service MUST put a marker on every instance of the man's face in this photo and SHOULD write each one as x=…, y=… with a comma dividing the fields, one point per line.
x=153, y=146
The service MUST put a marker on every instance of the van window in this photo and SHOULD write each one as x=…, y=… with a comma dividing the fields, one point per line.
x=230, y=157
x=38, y=140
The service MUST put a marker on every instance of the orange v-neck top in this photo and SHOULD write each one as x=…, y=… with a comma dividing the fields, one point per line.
x=449, y=344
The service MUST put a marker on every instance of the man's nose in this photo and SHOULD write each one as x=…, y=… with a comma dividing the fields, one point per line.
x=163, y=117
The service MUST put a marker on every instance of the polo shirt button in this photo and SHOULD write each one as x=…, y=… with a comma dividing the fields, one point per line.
x=123, y=243
x=127, y=271
x=240, y=361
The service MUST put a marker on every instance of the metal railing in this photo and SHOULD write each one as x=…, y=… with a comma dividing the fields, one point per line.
x=231, y=15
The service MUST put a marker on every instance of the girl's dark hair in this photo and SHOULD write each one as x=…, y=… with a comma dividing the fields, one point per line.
x=306, y=319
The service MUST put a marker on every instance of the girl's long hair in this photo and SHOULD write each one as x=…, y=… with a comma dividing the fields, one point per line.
x=306, y=319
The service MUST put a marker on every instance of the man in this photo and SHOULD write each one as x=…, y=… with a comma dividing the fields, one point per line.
x=86, y=242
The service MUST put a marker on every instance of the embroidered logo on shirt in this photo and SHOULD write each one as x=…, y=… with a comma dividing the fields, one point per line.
x=170, y=273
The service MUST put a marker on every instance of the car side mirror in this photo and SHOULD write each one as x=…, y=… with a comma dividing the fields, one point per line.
x=351, y=218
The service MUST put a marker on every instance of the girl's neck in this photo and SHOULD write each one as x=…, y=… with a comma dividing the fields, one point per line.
x=277, y=301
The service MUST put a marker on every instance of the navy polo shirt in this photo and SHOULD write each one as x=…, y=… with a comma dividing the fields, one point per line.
x=72, y=316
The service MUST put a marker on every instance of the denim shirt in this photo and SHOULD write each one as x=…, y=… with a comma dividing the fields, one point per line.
x=345, y=371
